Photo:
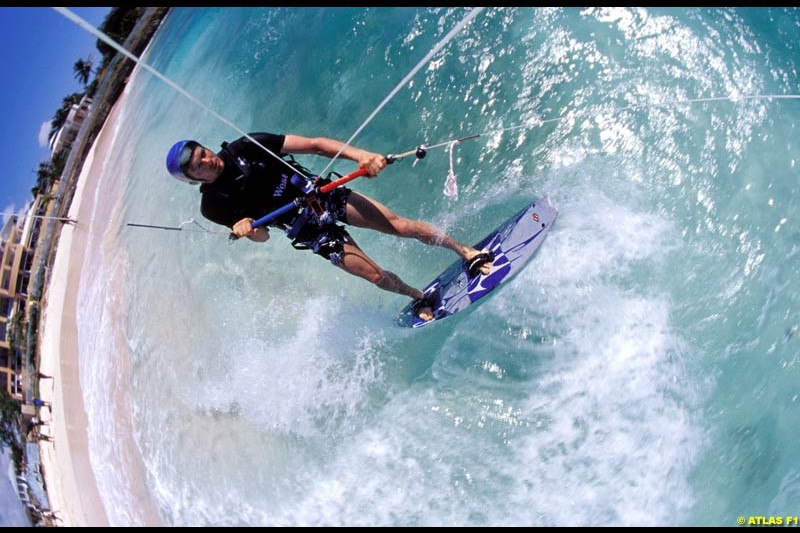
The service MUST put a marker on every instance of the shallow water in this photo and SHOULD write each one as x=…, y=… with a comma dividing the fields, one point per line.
x=644, y=373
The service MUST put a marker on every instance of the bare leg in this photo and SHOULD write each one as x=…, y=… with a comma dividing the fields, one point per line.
x=357, y=263
x=364, y=212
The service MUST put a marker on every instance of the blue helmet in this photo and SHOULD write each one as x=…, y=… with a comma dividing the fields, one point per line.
x=178, y=159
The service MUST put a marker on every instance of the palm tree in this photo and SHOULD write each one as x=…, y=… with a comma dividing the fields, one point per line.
x=61, y=114
x=83, y=70
x=44, y=178
x=44, y=173
x=58, y=120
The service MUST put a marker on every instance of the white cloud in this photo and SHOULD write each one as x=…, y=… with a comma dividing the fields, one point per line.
x=7, y=212
x=11, y=209
x=44, y=133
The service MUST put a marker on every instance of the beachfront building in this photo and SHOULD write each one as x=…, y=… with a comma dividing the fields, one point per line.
x=69, y=131
x=18, y=238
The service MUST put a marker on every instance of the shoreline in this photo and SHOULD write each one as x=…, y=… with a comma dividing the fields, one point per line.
x=72, y=488
x=71, y=485
x=70, y=481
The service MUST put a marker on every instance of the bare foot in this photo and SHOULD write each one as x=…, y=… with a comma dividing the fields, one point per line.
x=486, y=267
x=425, y=313
x=423, y=307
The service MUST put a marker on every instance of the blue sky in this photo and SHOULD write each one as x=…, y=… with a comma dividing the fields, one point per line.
x=38, y=47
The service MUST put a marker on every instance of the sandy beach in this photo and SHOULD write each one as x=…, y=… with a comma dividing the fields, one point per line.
x=71, y=484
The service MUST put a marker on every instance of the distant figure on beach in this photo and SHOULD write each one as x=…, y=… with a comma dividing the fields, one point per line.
x=33, y=424
x=38, y=402
x=242, y=182
x=51, y=515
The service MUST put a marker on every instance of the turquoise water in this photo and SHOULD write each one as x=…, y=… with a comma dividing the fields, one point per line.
x=643, y=373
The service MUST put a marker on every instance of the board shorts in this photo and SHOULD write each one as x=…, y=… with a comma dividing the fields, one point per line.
x=324, y=237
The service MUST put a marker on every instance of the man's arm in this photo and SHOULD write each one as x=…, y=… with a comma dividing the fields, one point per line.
x=295, y=144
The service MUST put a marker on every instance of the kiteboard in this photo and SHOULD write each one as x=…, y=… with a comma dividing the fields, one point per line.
x=512, y=244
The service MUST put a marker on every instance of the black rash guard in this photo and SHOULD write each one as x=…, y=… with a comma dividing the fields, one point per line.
x=252, y=184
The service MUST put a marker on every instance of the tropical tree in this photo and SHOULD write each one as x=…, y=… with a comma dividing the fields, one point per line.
x=9, y=412
x=43, y=173
x=91, y=89
x=83, y=69
x=61, y=115
x=44, y=178
x=117, y=25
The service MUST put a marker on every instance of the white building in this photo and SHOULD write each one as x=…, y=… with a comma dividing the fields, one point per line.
x=66, y=135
